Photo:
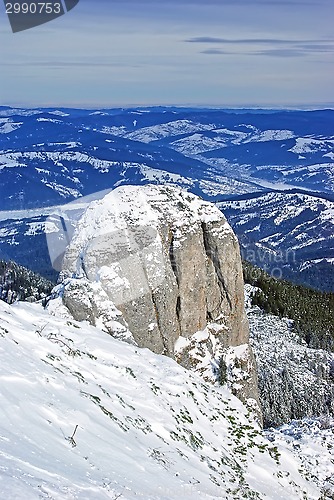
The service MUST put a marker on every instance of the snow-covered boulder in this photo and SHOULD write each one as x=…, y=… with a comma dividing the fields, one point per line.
x=170, y=263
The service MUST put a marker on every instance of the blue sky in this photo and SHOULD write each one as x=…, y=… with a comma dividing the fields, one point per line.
x=108, y=53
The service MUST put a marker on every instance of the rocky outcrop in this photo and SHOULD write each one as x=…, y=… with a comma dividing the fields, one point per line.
x=171, y=264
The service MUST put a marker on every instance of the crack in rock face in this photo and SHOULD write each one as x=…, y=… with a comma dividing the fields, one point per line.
x=170, y=263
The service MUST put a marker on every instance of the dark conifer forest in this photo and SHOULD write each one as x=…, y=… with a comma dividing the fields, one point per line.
x=311, y=310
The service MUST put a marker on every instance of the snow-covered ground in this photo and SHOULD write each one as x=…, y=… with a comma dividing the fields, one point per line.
x=174, y=128
x=283, y=221
x=199, y=143
x=7, y=126
x=294, y=379
x=20, y=159
x=89, y=417
x=312, y=440
x=311, y=145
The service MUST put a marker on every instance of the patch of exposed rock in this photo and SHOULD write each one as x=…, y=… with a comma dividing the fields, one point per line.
x=171, y=264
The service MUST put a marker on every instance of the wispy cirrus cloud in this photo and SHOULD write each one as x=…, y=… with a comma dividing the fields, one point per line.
x=246, y=41
x=290, y=52
x=149, y=52
x=70, y=64
x=217, y=52
x=272, y=47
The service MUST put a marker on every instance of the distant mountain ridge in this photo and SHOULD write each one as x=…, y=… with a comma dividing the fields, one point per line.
x=290, y=234
x=53, y=156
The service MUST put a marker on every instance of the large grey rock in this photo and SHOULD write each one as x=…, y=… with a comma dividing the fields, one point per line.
x=87, y=301
x=171, y=264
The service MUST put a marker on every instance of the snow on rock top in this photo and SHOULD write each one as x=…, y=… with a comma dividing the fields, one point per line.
x=145, y=205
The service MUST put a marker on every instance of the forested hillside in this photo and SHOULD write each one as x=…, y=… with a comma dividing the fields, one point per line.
x=312, y=311
x=19, y=283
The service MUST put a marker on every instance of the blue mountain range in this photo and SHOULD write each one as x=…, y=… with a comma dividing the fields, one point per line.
x=270, y=171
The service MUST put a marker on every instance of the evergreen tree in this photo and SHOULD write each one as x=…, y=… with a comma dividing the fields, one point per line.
x=19, y=283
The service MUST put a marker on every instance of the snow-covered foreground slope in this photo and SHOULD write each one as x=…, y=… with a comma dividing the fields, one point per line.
x=86, y=416
x=312, y=440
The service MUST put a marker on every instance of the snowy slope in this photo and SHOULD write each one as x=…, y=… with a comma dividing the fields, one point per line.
x=290, y=232
x=311, y=145
x=310, y=439
x=54, y=172
x=220, y=138
x=283, y=216
x=7, y=126
x=86, y=416
x=198, y=143
x=174, y=128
